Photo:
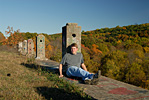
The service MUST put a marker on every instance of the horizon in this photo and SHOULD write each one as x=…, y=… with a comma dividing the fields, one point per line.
x=48, y=16
x=81, y=31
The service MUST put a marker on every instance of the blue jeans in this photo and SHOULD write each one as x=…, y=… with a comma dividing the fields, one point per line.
x=78, y=72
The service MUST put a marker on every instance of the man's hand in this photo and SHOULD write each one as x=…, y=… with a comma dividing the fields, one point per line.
x=60, y=70
x=61, y=76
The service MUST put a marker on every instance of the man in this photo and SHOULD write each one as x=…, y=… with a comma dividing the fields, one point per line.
x=71, y=63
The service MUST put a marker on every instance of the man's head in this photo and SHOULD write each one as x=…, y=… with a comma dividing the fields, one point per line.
x=74, y=48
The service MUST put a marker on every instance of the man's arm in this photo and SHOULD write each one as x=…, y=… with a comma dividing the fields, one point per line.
x=83, y=66
x=60, y=70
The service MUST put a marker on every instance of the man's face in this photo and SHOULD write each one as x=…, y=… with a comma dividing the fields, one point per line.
x=74, y=50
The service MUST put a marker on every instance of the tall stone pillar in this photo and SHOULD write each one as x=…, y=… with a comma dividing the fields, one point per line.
x=24, y=51
x=20, y=47
x=30, y=45
x=71, y=33
x=40, y=47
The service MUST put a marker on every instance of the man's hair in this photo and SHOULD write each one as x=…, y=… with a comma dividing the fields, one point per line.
x=74, y=45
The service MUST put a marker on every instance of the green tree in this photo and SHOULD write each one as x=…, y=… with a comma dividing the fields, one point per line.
x=115, y=65
x=135, y=74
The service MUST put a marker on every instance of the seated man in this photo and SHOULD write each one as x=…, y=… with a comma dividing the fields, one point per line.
x=71, y=62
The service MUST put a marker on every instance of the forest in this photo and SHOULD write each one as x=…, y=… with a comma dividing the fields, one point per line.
x=121, y=53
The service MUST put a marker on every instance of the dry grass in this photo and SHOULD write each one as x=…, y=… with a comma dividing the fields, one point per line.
x=8, y=48
x=17, y=81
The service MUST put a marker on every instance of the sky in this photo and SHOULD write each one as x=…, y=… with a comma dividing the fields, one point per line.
x=49, y=16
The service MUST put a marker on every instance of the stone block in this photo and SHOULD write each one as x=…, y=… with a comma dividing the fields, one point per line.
x=20, y=47
x=30, y=47
x=24, y=49
x=40, y=47
x=71, y=33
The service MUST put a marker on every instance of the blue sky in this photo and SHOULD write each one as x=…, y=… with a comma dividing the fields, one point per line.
x=49, y=16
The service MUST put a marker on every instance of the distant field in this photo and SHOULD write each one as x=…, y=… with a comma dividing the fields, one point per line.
x=18, y=82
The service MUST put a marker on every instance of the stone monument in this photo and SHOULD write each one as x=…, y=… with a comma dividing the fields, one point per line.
x=40, y=47
x=20, y=47
x=71, y=33
x=24, y=49
x=30, y=45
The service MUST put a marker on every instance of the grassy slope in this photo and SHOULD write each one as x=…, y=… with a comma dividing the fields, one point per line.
x=22, y=82
x=26, y=83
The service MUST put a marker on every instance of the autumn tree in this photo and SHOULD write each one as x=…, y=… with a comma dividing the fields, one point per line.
x=135, y=74
x=2, y=38
x=114, y=65
x=14, y=37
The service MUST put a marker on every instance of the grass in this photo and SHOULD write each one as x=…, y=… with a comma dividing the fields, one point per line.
x=19, y=82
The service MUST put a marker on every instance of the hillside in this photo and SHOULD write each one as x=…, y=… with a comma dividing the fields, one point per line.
x=17, y=81
x=122, y=53
x=20, y=79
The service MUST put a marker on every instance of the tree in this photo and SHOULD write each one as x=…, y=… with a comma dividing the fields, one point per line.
x=135, y=74
x=2, y=38
x=95, y=50
x=115, y=65
x=14, y=38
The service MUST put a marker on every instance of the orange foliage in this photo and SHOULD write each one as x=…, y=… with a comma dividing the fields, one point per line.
x=118, y=42
x=49, y=48
x=90, y=34
x=95, y=50
x=124, y=28
x=14, y=38
x=124, y=37
x=86, y=48
x=83, y=35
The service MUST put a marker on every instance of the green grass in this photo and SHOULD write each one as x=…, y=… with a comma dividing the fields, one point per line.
x=19, y=82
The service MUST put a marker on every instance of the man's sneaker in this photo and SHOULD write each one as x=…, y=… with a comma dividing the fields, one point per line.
x=95, y=79
x=87, y=81
x=97, y=75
